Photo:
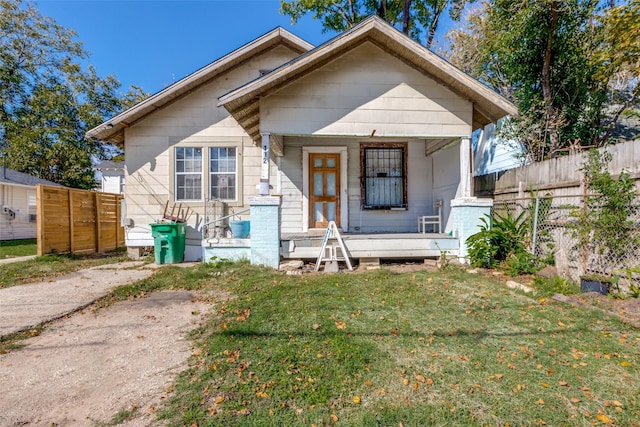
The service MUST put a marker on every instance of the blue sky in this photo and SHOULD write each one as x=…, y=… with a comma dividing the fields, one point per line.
x=153, y=43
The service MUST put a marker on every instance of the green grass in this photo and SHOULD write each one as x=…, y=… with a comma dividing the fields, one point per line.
x=18, y=248
x=545, y=287
x=387, y=349
x=49, y=266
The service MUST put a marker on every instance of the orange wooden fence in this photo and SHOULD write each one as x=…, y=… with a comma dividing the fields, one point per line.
x=77, y=221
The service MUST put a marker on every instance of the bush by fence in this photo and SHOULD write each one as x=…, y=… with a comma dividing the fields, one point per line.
x=553, y=235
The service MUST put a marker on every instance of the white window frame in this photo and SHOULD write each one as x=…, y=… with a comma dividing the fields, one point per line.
x=201, y=172
x=211, y=174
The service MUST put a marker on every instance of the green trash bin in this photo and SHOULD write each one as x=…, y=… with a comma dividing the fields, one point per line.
x=169, y=241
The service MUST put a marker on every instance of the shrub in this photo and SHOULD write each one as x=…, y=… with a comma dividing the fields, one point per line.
x=499, y=237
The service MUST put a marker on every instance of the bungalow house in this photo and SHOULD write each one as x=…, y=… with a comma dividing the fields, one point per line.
x=18, y=204
x=369, y=130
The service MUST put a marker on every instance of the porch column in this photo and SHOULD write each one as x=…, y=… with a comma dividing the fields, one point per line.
x=265, y=230
x=466, y=214
x=266, y=156
x=465, y=168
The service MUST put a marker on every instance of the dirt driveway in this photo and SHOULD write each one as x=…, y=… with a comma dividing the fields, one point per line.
x=87, y=367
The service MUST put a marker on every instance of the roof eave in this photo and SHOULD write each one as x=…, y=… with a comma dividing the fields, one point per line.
x=113, y=129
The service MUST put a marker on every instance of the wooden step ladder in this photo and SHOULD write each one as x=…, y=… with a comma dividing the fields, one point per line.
x=332, y=234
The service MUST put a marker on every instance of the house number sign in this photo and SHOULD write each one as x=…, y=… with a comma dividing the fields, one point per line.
x=265, y=161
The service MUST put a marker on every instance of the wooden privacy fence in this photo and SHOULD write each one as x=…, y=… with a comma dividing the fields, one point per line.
x=559, y=176
x=77, y=221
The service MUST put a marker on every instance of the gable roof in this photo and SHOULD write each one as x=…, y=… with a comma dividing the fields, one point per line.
x=488, y=106
x=113, y=129
x=9, y=176
x=110, y=165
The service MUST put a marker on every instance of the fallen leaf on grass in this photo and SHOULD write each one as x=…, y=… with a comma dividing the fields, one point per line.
x=603, y=418
x=244, y=315
x=334, y=418
x=340, y=325
x=356, y=400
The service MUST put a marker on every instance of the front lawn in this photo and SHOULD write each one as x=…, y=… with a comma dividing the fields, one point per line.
x=18, y=248
x=411, y=349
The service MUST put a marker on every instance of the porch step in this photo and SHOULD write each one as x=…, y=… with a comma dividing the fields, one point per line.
x=386, y=246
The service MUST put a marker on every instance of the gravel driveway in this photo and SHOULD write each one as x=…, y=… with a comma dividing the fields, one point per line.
x=89, y=366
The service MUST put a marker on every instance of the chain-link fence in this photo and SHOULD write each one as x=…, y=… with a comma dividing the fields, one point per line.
x=554, y=231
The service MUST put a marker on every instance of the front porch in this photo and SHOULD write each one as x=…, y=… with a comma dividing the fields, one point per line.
x=371, y=245
x=268, y=245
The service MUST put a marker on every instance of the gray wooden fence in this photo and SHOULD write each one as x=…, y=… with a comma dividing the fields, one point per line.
x=558, y=177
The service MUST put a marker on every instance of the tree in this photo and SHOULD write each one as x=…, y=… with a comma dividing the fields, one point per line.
x=618, y=61
x=557, y=61
x=417, y=18
x=47, y=101
x=544, y=50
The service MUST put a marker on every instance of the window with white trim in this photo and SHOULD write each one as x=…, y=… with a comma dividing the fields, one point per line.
x=188, y=173
x=223, y=170
x=384, y=176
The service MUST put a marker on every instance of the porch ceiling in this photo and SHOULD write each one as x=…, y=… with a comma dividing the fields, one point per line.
x=244, y=103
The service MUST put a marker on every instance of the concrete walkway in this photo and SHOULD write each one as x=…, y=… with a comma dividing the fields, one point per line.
x=24, y=307
x=17, y=259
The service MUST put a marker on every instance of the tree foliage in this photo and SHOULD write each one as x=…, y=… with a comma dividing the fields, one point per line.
x=48, y=101
x=557, y=60
x=416, y=18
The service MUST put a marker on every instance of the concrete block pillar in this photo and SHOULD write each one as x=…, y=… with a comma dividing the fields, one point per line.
x=466, y=213
x=265, y=230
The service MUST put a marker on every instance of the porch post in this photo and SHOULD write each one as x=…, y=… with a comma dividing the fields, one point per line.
x=465, y=168
x=467, y=211
x=266, y=155
x=265, y=230
x=466, y=214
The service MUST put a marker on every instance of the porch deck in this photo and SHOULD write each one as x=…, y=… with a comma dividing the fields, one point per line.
x=377, y=245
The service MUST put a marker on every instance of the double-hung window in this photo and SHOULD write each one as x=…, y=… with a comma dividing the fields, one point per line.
x=384, y=176
x=188, y=173
x=223, y=178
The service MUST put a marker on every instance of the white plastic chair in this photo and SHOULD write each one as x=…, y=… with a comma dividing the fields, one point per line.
x=433, y=220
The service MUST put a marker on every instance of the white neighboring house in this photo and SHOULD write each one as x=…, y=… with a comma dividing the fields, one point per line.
x=493, y=154
x=112, y=176
x=18, y=204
